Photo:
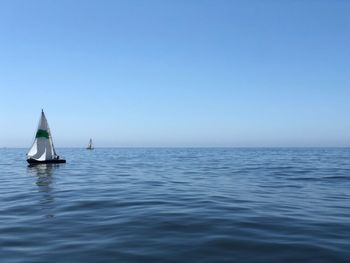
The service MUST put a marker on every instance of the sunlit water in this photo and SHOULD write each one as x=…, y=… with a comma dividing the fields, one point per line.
x=177, y=205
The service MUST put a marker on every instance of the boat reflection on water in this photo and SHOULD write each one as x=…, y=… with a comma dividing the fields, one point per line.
x=44, y=180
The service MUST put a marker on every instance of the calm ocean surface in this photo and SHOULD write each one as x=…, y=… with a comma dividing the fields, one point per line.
x=177, y=205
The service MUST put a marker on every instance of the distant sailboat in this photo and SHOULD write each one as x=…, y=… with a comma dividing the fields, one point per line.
x=90, y=146
x=43, y=150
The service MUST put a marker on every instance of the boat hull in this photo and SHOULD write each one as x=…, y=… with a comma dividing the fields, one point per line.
x=32, y=161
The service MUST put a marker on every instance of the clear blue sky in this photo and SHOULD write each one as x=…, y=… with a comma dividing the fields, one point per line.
x=176, y=73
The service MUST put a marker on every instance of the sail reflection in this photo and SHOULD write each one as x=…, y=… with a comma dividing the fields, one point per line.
x=44, y=180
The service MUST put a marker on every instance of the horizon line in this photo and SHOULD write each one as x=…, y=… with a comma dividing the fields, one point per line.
x=170, y=147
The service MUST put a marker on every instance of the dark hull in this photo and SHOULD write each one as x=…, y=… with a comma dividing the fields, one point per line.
x=32, y=161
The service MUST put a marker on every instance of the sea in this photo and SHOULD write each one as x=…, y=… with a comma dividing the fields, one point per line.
x=177, y=205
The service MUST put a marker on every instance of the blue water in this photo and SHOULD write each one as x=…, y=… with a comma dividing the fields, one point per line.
x=177, y=205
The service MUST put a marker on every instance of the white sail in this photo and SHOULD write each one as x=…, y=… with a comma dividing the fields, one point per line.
x=42, y=148
x=90, y=146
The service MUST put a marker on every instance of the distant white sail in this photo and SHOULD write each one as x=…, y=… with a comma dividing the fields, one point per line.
x=42, y=148
x=90, y=146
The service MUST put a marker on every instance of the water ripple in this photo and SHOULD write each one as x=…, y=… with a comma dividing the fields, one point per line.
x=177, y=205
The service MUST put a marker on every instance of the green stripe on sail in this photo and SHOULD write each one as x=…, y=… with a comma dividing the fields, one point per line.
x=42, y=134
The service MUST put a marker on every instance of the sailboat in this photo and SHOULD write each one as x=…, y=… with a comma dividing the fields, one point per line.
x=90, y=146
x=43, y=150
